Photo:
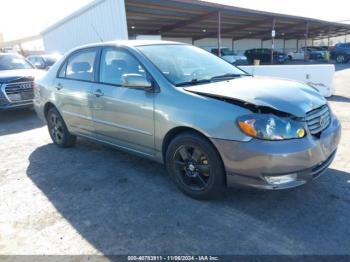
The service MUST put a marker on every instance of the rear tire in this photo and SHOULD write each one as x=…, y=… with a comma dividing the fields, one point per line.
x=58, y=129
x=195, y=166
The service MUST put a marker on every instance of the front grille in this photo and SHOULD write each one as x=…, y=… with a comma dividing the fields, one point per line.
x=318, y=119
x=3, y=101
x=20, y=91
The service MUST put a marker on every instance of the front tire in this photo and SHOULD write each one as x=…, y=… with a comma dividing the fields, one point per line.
x=58, y=130
x=195, y=166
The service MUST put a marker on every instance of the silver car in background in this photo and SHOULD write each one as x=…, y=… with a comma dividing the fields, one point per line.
x=209, y=122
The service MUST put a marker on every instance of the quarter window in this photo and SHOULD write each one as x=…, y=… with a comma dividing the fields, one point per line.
x=117, y=63
x=62, y=73
x=81, y=66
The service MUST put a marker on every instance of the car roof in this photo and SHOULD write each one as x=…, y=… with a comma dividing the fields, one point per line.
x=129, y=43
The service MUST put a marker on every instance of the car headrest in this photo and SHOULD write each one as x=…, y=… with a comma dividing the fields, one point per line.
x=81, y=67
x=119, y=64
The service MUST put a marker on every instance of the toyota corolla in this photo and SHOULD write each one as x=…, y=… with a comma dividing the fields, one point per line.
x=209, y=122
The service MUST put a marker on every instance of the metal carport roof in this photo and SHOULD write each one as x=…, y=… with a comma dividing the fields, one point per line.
x=199, y=19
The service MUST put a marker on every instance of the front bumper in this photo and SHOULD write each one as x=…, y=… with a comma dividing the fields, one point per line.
x=6, y=104
x=247, y=163
x=10, y=106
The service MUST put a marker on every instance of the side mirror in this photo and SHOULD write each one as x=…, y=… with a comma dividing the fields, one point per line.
x=136, y=81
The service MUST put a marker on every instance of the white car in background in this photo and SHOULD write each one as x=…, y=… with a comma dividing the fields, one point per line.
x=228, y=55
x=313, y=52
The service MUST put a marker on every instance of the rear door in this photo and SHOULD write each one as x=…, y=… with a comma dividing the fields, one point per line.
x=123, y=115
x=73, y=90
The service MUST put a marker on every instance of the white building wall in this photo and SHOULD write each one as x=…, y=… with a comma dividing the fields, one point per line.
x=102, y=19
x=278, y=44
x=211, y=42
x=243, y=44
x=302, y=43
x=291, y=45
x=239, y=46
x=333, y=40
x=186, y=40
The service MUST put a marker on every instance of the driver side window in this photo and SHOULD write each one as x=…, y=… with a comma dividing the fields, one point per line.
x=116, y=63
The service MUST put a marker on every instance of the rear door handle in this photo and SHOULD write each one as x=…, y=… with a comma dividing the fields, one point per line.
x=98, y=93
x=59, y=86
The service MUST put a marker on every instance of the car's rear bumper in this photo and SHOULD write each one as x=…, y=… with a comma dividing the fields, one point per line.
x=250, y=163
x=39, y=108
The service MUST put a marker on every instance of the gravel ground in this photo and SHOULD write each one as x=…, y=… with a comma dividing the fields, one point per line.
x=95, y=200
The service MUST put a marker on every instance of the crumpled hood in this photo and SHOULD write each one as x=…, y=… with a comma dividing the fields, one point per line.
x=7, y=76
x=283, y=95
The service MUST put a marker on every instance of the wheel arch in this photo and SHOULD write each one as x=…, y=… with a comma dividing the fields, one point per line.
x=172, y=133
x=47, y=107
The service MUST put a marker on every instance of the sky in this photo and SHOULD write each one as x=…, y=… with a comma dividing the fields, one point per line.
x=21, y=18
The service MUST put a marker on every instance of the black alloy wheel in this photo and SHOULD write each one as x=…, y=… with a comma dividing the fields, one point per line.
x=195, y=166
x=58, y=129
x=192, y=166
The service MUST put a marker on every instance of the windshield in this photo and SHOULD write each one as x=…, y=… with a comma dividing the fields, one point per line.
x=182, y=64
x=50, y=60
x=12, y=62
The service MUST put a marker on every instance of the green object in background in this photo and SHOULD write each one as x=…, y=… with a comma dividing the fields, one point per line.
x=326, y=56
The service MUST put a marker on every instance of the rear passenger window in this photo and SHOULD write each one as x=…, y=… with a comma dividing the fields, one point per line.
x=117, y=63
x=81, y=66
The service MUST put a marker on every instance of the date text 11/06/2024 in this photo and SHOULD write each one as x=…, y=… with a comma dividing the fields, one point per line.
x=173, y=258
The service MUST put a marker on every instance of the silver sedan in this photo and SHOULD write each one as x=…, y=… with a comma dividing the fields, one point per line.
x=209, y=122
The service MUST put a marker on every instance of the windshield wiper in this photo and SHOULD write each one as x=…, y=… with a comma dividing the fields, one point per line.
x=194, y=81
x=229, y=76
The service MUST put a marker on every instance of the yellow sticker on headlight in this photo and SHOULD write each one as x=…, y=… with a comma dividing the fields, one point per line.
x=301, y=132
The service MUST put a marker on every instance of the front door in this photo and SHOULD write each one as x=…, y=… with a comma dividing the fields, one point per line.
x=122, y=115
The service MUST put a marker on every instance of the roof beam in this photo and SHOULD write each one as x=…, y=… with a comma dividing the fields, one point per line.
x=263, y=34
x=312, y=31
x=229, y=30
x=180, y=24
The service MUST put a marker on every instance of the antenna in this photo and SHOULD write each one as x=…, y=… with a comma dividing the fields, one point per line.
x=98, y=35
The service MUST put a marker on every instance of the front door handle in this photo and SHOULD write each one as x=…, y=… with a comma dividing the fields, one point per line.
x=98, y=93
x=59, y=86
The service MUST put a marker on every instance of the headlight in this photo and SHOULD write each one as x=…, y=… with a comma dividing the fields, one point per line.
x=270, y=127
